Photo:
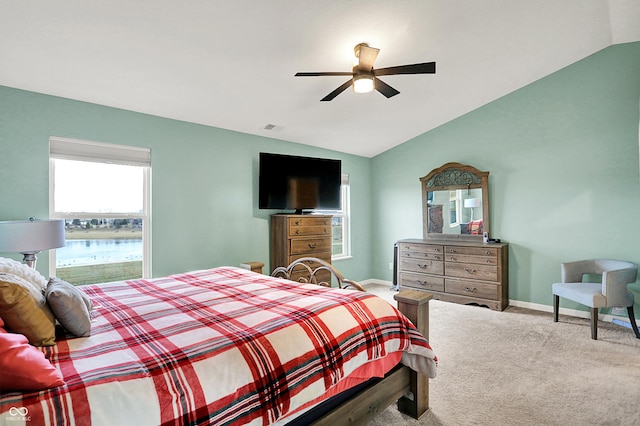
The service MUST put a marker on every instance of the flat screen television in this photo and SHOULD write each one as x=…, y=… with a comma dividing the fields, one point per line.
x=289, y=182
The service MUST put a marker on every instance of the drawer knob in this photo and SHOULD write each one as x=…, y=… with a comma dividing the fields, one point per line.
x=297, y=231
x=312, y=246
x=422, y=266
x=325, y=230
x=488, y=253
x=436, y=257
x=297, y=222
x=470, y=289
x=470, y=271
x=421, y=282
x=451, y=250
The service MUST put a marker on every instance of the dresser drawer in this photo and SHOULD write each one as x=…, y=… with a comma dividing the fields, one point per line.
x=302, y=275
x=309, y=226
x=310, y=245
x=433, y=255
x=471, y=271
x=421, y=251
x=421, y=282
x=472, y=288
x=300, y=271
x=295, y=231
x=467, y=258
x=472, y=251
x=325, y=255
x=425, y=266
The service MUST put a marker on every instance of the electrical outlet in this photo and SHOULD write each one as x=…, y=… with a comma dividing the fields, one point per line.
x=391, y=266
x=618, y=311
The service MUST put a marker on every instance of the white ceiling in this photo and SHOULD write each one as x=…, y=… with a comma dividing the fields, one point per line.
x=231, y=64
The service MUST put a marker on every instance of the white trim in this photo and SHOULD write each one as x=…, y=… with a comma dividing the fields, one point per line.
x=565, y=311
x=532, y=306
x=99, y=152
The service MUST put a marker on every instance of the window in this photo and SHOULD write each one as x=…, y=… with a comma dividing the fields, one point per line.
x=340, y=243
x=102, y=193
x=454, y=207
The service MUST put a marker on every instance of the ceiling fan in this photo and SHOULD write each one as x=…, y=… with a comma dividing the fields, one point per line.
x=365, y=78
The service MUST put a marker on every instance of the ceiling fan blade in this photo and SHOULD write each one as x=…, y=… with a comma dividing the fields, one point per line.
x=384, y=88
x=423, y=68
x=366, y=57
x=336, y=92
x=319, y=74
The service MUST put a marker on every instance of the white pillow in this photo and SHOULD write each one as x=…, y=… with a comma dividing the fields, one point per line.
x=25, y=272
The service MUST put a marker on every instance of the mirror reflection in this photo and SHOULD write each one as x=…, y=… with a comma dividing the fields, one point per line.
x=455, y=203
x=455, y=211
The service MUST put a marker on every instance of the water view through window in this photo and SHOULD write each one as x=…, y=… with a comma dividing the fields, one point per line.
x=91, y=252
x=102, y=193
x=99, y=250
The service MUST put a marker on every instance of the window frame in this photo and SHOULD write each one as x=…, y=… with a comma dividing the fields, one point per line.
x=345, y=213
x=455, y=197
x=98, y=152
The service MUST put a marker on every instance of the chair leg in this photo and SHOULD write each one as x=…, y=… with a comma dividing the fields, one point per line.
x=556, y=304
x=594, y=323
x=632, y=319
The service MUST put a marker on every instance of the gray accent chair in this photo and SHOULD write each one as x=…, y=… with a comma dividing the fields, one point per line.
x=612, y=292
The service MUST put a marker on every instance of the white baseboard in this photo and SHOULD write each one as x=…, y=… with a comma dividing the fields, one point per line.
x=570, y=312
x=375, y=281
x=536, y=306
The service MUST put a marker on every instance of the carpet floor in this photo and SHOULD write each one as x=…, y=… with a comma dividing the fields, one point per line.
x=518, y=367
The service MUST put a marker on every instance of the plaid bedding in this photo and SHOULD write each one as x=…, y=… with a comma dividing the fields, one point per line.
x=219, y=346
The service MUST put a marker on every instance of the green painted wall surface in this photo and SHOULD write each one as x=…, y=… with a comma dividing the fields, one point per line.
x=563, y=160
x=562, y=153
x=204, y=180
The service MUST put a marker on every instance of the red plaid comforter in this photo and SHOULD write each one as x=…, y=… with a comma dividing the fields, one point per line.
x=220, y=346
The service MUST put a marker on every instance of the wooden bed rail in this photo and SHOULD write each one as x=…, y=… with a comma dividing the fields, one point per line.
x=309, y=266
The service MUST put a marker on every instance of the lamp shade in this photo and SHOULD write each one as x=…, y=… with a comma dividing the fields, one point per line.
x=31, y=236
x=470, y=203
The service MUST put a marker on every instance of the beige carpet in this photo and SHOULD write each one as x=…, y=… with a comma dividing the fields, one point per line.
x=518, y=367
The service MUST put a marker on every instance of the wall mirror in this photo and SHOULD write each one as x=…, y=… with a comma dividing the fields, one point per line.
x=455, y=202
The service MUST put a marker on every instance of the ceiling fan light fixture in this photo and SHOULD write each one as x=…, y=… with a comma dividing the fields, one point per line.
x=363, y=83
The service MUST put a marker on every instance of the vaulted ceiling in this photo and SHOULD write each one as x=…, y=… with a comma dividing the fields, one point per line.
x=231, y=64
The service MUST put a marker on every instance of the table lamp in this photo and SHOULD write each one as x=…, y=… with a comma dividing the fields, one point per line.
x=30, y=237
x=470, y=203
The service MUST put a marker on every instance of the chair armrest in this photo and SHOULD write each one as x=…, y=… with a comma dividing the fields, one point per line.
x=614, y=286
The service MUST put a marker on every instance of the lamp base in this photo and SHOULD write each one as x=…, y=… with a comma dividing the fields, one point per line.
x=30, y=258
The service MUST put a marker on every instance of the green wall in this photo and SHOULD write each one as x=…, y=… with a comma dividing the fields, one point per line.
x=563, y=160
x=562, y=153
x=204, y=180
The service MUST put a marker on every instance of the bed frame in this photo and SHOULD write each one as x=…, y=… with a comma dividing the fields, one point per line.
x=402, y=384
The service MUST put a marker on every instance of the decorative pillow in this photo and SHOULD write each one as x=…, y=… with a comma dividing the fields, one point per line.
x=24, y=312
x=475, y=227
x=71, y=306
x=25, y=272
x=24, y=368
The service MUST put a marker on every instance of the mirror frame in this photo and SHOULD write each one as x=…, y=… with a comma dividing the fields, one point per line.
x=452, y=176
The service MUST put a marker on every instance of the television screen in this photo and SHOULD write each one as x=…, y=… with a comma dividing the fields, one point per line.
x=298, y=183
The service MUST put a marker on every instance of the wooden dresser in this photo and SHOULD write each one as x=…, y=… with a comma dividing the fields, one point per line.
x=294, y=236
x=456, y=271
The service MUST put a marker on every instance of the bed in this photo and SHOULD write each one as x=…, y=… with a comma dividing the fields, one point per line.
x=231, y=346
